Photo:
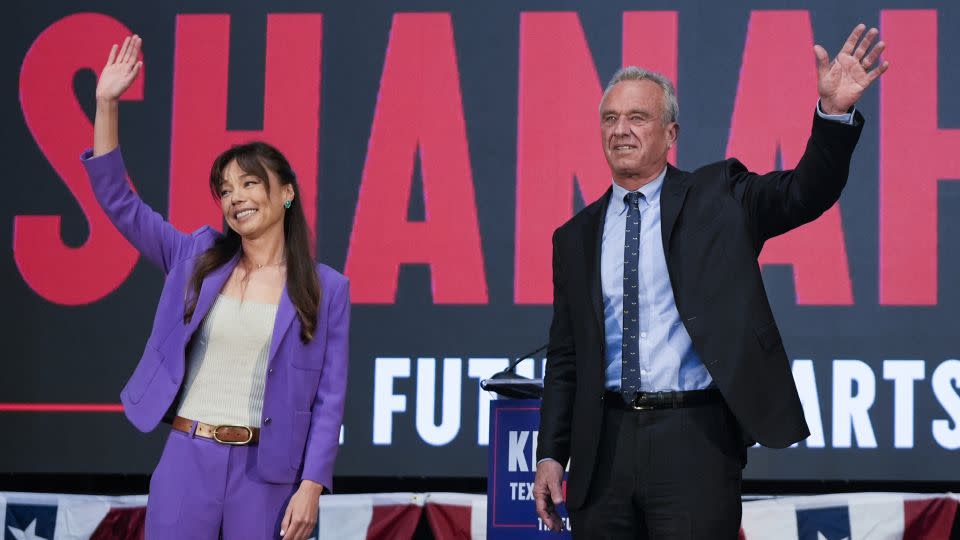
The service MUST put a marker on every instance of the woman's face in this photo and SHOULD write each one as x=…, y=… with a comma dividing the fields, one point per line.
x=248, y=207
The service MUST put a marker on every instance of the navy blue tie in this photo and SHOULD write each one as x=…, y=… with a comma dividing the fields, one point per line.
x=630, y=351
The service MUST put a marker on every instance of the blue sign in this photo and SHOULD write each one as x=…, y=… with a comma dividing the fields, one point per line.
x=512, y=465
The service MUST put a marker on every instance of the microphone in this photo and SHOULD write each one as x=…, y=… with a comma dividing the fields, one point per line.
x=510, y=372
x=515, y=386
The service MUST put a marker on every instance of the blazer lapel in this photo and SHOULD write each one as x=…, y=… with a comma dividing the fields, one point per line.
x=671, y=202
x=285, y=314
x=213, y=284
x=592, y=244
x=209, y=289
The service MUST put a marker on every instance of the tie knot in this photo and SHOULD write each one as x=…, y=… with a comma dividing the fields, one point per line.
x=633, y=198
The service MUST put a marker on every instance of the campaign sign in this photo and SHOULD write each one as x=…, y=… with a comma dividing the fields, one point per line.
x=512, y=464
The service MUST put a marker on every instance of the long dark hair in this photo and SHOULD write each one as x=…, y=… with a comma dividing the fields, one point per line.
x=303, y=287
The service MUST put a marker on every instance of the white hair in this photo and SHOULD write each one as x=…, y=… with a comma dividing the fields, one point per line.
x=671, y=109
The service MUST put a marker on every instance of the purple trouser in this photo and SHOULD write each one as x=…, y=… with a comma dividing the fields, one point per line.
x=201, y=485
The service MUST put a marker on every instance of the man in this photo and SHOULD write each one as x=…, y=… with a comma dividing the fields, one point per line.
x=665, y=362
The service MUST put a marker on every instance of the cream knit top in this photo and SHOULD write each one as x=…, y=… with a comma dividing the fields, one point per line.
x=227, y=364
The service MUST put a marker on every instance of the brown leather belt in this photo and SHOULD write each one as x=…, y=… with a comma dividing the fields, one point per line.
x=647, y=401
x=224, y=434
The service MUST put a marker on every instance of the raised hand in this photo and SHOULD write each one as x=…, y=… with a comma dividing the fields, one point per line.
x=121, y=70
x=842, y=82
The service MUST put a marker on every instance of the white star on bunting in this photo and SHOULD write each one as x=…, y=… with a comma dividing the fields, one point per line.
x=26, y=534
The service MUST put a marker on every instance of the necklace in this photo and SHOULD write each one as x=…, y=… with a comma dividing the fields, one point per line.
x=283, y=260
x=278, y=263
x=248, y=268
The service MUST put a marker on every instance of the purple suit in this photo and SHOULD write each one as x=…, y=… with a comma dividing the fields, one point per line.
x=305, y=384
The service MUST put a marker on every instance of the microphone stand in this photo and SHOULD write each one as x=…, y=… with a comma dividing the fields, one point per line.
x=508, y=384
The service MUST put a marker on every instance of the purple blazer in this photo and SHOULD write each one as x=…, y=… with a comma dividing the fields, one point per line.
x=305, y=384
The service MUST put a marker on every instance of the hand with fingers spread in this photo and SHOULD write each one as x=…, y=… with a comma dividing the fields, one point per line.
x=548, y=493
x=842, y=81
x=121, y=70
x=123, y=67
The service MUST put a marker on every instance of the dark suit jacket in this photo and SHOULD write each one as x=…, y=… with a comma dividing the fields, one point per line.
x=714, y=222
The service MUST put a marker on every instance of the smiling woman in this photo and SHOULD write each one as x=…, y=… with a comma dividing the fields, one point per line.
x=247, y=189
x=257, y=188
x=256, y=350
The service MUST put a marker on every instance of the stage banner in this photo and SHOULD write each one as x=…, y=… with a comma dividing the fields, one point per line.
x=512, y=464
x=438, y=145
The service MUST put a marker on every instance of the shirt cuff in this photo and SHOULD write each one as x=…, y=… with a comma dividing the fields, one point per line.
x=846, y=118
x=546, y=459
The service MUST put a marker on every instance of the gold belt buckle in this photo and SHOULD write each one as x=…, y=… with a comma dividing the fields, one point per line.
x=216, y=436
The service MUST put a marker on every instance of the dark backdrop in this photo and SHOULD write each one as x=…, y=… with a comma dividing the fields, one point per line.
x=439, y=144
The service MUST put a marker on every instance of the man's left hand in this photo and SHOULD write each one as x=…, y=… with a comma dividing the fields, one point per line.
x=301, y=515
x=843, y=81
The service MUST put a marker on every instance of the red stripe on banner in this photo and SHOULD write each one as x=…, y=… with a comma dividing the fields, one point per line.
x=61, y=407
x=122, y=524
x=928, y=518
x=392, y=521
x=449, y=521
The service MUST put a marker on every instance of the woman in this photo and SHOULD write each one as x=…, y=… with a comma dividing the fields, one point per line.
x=247, y=357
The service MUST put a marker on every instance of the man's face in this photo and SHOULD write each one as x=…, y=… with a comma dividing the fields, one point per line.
x=635, y=139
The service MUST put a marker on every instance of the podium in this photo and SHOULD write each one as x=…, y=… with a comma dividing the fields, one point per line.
x=512, y=460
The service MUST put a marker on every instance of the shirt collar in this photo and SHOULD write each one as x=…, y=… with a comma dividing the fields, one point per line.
x=650, y=191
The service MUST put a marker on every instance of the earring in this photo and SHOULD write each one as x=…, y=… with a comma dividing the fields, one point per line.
x=287, y=204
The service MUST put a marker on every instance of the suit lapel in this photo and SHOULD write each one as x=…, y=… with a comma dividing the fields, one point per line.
x=592, y=244
x=285, y=314
x=209, y=289
x=671, y=202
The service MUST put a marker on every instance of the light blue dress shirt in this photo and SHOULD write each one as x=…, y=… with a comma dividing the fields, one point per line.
x=667, y=358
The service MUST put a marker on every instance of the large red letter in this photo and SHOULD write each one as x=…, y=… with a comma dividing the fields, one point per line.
x=558, y=128
x=773, y=110
x=418, y=110
x=291, y=108
x=914, y=155
x=57, y=272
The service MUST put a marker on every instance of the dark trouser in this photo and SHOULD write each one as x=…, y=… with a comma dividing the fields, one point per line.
x=665, y=474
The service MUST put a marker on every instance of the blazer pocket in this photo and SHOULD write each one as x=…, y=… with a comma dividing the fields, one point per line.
x=298, y=437
x=144, y=374
x=768, y=335
x=306, y=356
